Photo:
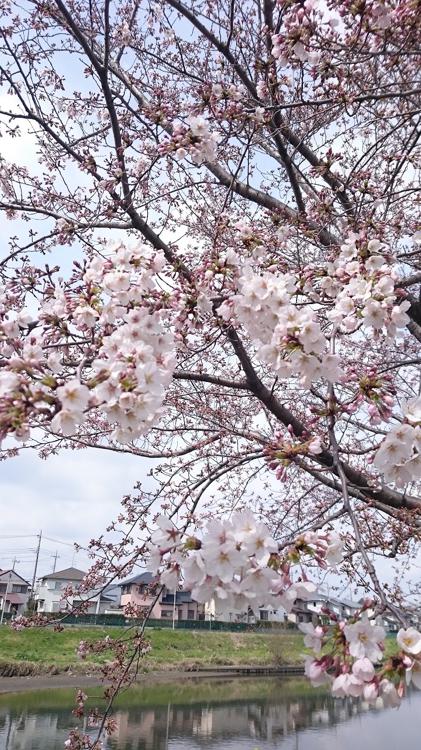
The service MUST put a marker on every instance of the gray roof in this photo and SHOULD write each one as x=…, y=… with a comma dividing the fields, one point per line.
x=145, y=578
x=68, y=574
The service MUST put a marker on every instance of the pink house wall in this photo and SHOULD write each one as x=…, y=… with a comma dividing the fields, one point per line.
x=140, y=599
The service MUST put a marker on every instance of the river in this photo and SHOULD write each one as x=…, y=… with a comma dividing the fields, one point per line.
x=218, y=714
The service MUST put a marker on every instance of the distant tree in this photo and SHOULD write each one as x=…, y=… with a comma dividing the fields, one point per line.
x=214, y=263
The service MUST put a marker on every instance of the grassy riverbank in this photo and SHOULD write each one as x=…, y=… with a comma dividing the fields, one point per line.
x=42, y=650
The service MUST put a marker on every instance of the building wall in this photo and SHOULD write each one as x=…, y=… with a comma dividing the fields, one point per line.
x=13, y=584
x=138, y=598
x=49, y=597
x=259, y=614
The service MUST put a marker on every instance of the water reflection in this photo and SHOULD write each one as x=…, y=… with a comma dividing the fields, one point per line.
x=244, y=714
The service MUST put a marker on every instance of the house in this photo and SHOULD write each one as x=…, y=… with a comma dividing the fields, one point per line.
x=110, y=600
x=185, y=608
x=14, y=592
x=138, y=593
x=309, y=610
x=216, y=611
x=392, y=622
x=343, y=608
x=49, y=594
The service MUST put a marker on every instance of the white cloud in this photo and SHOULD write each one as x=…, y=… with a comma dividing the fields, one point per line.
x=72, y=497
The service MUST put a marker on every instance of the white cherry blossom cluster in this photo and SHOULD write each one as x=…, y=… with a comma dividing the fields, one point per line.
x=124, y=356
x=227, y=91
x=134, y=366
x=125, y=275
x=197, y=141
x=235, y=562
x=409, y=641
x=327, y=547
x=288, y=338
x=297, y=51
x=362, y=283
x=350, y=658
x=135, y=361
x=399, y=456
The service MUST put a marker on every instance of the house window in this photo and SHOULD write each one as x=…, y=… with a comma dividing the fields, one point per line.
x=165, y=613
x=264, y=614
x=58, y=585
x=190, y=614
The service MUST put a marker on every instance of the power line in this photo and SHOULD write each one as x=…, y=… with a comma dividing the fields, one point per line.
x=50, y=539
x=58, y=541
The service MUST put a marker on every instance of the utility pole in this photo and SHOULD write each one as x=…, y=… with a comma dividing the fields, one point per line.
x=173, y=609
x=55, y=560
x=14, y=562
x=36, y=565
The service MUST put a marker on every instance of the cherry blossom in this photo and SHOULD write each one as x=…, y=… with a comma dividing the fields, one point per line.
x=409, y=640
x=315, y=670
x=388, y=694
x=234, y=561
x=413, y=675
x=398, y=457
x=347, y=684
x=313, y=636
x=365, y=639
x=363, y=669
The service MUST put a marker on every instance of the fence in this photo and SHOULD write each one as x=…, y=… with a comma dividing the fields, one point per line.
x=122, y=621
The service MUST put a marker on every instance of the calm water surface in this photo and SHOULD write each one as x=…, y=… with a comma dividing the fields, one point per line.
x=248, y=714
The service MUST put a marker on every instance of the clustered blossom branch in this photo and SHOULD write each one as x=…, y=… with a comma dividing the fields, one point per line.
x=349, y=657
x=115, y=331
x=236, y=562
x=216, y=266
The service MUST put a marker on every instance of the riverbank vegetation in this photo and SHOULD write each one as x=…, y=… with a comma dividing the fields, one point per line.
x=40, y=651
x=43, y=650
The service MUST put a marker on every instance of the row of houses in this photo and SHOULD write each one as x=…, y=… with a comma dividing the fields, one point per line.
x=135, y=594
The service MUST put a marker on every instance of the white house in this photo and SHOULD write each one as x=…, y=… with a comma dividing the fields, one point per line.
x=50, y=593
x=14, y=592
x=343, y=608
x=257, y=614
x=310, y=610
